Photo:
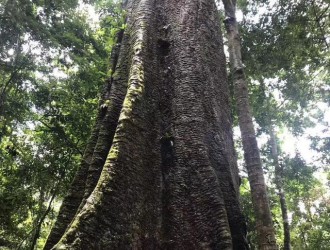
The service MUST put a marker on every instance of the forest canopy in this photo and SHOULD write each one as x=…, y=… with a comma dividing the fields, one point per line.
x=56, y=64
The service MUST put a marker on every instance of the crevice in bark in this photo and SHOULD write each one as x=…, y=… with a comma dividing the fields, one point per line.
x=167, y=140
x=163, y=47
x=168, y=161
x=167, y=151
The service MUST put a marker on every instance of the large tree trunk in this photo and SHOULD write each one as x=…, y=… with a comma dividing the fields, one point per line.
x=170, y=180
x=279, y=186
x=265, y=229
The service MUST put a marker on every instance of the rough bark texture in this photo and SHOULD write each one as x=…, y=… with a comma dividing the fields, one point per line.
x=265, y=230
x=170, y=180
x=74, y=197
x=279, y=186
x=93, y=159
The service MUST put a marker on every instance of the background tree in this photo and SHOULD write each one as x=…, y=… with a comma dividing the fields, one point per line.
x=264, y=223
x=286, y=57
x=55, y=61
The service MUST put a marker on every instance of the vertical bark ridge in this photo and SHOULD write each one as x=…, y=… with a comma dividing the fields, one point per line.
x=171, y=160
x=194, y=181
x=265, y=229
x=111, y=217
x=222, y=152
x=112, y=106
x=76, y=193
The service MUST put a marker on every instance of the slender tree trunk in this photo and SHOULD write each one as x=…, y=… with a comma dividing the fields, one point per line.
x=265, y=229
x=279, y=186
x=41, y=220
x=170, y=180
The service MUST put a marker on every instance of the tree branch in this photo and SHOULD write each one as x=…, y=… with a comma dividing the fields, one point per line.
x=317, y=20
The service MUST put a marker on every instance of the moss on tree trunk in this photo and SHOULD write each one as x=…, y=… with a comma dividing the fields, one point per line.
x=170, y=179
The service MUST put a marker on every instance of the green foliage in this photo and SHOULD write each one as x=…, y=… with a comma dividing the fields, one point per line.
x=53, y=64
x=286, y=54
x=309, y=204
x=285, y=50
x=246, y=202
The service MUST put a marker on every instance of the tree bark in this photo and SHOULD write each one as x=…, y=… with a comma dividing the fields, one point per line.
x=75, y=194
x=265, y=229
x=279, y=186
x=170, y=180
x=93, y=159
